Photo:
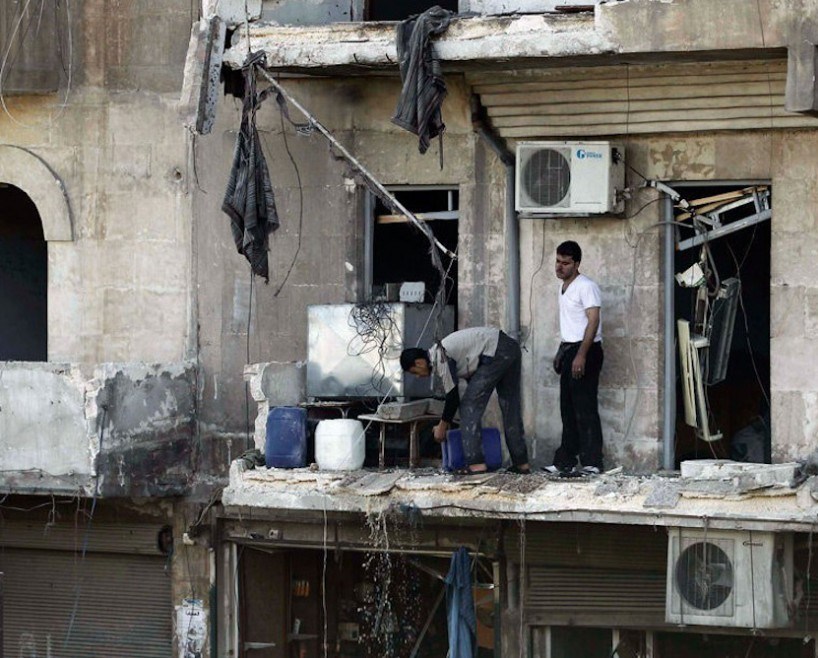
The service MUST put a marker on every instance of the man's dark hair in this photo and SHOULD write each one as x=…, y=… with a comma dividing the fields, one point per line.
x=572, y=249
x=410, y=355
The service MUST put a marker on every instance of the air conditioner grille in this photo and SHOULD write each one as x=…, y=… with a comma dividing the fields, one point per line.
x=704, y=575
x=546, y=177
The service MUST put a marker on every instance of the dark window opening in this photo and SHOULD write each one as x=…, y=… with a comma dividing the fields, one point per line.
x=23, y=279
x=400, y=252
x=739, y=405
x=398, y=10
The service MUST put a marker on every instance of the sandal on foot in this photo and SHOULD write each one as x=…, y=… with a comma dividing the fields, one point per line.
x=516, y=470
x=467, y=471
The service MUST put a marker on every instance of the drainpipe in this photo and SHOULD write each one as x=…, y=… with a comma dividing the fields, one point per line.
x=482, y=126
x=669, y=419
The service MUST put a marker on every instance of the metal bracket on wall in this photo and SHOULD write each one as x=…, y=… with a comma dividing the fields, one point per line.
x=712, y=211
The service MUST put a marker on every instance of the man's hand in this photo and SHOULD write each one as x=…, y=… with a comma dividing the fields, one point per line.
x=440, y=431
x=578, y=366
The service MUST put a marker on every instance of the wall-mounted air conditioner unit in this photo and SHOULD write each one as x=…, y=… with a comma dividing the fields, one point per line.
x=737, y=578
x=569, y=178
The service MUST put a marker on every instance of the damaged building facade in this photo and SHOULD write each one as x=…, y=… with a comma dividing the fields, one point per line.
x=147, y=355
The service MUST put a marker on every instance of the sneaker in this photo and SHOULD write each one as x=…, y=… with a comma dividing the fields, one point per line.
x=556, y=470
x=590, y=470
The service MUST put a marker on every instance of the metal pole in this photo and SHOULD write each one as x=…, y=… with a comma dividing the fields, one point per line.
x=513, y=257
x=669, y=392
x=423, y=226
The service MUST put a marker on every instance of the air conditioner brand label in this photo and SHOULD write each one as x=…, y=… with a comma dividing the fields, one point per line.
x=583, y=154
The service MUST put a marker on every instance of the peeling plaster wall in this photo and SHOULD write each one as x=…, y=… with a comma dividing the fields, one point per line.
x=148, y=435
x=55, y=442
x=129, y=428
x=120, y=290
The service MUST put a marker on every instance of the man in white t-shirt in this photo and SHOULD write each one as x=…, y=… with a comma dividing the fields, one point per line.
x=578, y=362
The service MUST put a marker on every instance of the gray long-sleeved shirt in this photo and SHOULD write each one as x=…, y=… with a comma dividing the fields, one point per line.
x=458, y=356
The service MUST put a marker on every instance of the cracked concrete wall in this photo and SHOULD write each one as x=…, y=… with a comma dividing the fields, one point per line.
x=129, y=426
x=329, y=266
x=120, y=290
x=147, y=442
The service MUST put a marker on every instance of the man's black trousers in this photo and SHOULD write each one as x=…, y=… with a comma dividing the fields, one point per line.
x=503, y=372
x=579, y=407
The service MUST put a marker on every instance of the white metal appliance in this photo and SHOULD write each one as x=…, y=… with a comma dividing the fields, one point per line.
x=569, y=178
x=735, y=578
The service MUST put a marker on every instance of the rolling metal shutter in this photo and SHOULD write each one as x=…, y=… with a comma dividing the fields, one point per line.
x=629, y=99
x=592, y=573
x=111, y=603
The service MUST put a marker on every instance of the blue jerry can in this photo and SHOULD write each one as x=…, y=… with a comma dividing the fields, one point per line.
x=286, y=444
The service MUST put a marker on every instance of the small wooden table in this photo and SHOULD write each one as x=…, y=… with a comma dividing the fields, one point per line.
x=413, y=434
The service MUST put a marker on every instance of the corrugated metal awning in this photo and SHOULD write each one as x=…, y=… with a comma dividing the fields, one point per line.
x=628, y=99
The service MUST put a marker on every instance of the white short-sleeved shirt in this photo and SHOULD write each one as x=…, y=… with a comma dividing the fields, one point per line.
x=581, y=295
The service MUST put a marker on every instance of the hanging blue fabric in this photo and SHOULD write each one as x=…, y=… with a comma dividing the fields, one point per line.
x=460, y=613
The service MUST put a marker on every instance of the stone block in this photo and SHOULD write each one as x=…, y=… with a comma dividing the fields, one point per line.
x=795, y=156
x=141, y=216
x=795, y=205
x=635, y=456
x=741, y=156
x=625, y=314
x=794, y=424
x=119, y=310
x=745, y=476
x=160, y=266
x=792, y=362
x=811, y=315
x=107, y=264
x=789, y=311
x=793, y=259
x=802, y=67
x=80, y=123
x=630, y=363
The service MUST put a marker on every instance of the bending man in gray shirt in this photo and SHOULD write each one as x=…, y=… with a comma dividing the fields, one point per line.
x=488, y=359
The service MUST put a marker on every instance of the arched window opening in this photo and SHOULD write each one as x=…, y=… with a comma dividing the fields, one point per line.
x=23, y=279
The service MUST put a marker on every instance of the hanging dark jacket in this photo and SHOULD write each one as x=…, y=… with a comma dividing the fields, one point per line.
x=424, y=89
x=249, y=200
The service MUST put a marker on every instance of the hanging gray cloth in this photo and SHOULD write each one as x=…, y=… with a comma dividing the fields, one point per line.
x=424, y=89
x=249, y=200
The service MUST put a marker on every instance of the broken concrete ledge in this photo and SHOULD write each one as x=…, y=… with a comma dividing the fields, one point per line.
x=615, y=499
x=635, y=27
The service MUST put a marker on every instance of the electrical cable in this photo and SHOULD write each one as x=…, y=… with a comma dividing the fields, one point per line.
x=300, y=205
x=530, y=332
x=747, y=327
x=6, y=58
x=78, y=592
x=324, y=583
x=247, y=383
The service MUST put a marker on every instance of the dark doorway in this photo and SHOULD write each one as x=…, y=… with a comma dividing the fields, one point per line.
x=398, y=10
x=23, y=279
x=738, y=405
